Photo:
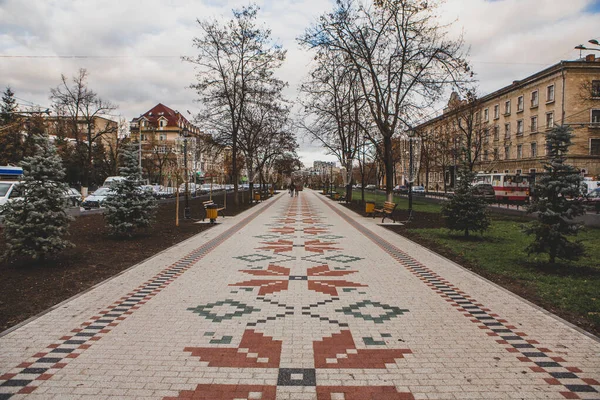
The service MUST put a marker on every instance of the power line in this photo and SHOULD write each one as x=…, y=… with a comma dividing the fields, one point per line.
x=83, y=56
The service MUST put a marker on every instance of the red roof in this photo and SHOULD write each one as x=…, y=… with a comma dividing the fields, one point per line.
x=160, y=111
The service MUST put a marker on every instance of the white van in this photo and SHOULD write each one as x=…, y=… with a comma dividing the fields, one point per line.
x=112, y=179
x=9, y=190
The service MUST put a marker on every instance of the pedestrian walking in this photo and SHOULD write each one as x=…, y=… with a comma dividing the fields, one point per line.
x=296, y=190
x=291, y=189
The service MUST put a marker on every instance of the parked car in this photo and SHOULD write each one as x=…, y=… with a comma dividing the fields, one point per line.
x=485, y=191
x=592, y=200
x=73, y=197
x=370, y=187
x=111, y=179
x=400, y=189
x=418, y=189
x=166, y=192
x=96, y=199
x=9, y=190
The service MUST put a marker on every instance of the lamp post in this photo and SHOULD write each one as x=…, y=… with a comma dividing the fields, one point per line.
x=186, y=210
x=331, y=173
x=411, y=151
x=362, y=183
x=140, y=146
x=582, y=47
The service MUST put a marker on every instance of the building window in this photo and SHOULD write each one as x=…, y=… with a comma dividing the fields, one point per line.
x=507, y=107
x=496, y=111
x=486, y=135
x=594, y=147
x=520, y=127
x=549, y=120
x=506, y=152
x=534, y=150
x=486, y=114
x=534, y=124
x=485, y=155
x=520, y=104
x=596, y=117
x=144, y=137
x=506, y=131
x=162, y=123
x=162, y=136
x=519, y=151
x=477, y=117
x=534, y=98
x=496, y=155
x=550, y=94
x=496, y=132
x=595, y=88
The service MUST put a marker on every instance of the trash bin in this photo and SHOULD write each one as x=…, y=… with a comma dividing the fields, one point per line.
x=336, y=196
x=369, y=207
x=212, y=212
x=324, y=191
x=257, y=197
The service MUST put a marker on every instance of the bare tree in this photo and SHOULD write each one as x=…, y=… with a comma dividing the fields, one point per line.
x=403, y=57
x=471, y=132
x=235, y=60
x=334, y=104
x=81, y=106
x=262, y=120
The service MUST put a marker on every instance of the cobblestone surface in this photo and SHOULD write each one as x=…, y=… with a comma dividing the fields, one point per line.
x=298, y=299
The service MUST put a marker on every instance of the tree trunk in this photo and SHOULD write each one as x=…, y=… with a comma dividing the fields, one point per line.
x=389, y=168
x=234, y=171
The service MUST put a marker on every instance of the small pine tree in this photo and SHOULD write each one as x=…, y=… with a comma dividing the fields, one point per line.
x=465, y=211
x=129, y=207
x=556, y=201
x=35, y=225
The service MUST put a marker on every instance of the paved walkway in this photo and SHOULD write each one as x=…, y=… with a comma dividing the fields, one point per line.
x=298, y=299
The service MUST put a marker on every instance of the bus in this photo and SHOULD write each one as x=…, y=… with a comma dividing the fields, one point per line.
x=509, y=188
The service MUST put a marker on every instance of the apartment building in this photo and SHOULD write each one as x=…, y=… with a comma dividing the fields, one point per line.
x=508, y=126
x=161, y=131
x=103, y=128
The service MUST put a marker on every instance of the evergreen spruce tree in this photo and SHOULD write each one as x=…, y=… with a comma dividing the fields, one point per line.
x=556, y=201
x=466, y=212
x=35, y=225
x=10, y=133
x=129, y=207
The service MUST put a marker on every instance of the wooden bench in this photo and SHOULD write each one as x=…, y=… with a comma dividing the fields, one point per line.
x=386, y=211
x=210, y=203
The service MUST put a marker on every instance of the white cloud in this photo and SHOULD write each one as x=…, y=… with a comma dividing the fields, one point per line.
x=140, y=43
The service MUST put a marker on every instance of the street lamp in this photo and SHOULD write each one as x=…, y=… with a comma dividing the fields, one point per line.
x=186, y=210
x=411, y=156
x=582, y=47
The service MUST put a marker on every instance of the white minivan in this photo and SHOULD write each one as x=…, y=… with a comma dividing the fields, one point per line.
x=9, y=190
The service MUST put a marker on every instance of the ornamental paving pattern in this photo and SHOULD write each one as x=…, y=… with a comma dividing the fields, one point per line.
x=298, y=298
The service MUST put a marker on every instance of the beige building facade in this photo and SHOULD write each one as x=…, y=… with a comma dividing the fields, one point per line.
x=507, y=127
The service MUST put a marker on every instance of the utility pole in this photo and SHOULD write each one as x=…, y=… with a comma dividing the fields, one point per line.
x=186, y=210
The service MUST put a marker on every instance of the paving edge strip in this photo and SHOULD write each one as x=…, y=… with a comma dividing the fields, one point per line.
x=538, y=359
x=44, y=364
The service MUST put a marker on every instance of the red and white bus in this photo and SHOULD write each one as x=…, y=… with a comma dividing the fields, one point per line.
x=508, y=187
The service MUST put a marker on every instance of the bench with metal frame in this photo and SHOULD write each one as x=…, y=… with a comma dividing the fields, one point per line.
x=387, y=211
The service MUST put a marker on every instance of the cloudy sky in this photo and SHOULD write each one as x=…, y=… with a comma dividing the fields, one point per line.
x=132, y=48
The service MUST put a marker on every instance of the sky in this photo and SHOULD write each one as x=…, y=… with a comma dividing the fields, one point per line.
x=132, y=48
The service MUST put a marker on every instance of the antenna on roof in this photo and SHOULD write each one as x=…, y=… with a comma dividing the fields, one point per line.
x=189, y=112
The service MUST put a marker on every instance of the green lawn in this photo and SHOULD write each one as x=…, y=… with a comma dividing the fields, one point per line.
x=379, y=198
x=573, y=287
